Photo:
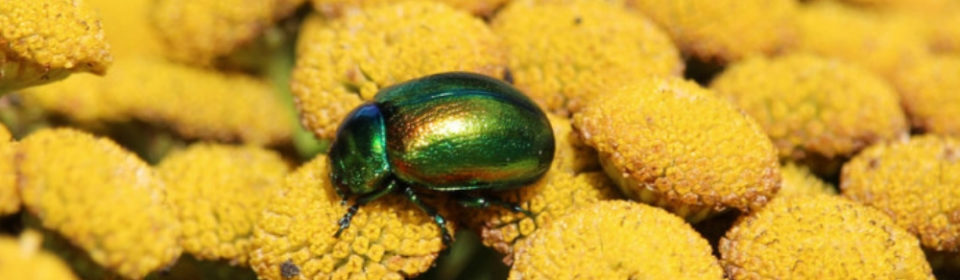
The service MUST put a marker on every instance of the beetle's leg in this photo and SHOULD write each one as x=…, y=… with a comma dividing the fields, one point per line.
x=471, y=201
x=344, y=221
x=437, y=218
x=339, y=190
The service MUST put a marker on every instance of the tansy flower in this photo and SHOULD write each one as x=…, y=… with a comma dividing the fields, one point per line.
x=101, y=198
x=821, y=237
x=196, y=103
x=388, y=238
x=817, y=111
x=875, y=41
x=616, y=240
x=551, y=197
x=562, y=53
x=333, y=8
x=126, y=26
x=9, y=195
x=218, y=193
x=725, y=30
x=928, y=91
x=45, y=40
x=24, y=259
x=345, y=61
x=671, y=143
x=917, y=182
x=198, y=31
x=799, y=181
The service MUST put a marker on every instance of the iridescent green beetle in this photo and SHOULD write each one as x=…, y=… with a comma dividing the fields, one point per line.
x=458, y=132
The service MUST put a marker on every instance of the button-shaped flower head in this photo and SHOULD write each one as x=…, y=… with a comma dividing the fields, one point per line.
x=563, y=53
x=671, y=143
x=916, y=182
x=388, y=238
x=218, y=193
x=616, y=240
x=46, y=40
x=821, y=237
x=101, y=198
x=345, y=61
x=817, y=111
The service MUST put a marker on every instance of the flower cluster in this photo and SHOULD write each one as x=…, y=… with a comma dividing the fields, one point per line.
x=671, y=143
x=45, y=40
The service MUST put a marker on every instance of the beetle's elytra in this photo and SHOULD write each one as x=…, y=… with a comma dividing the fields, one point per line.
x=452, y=132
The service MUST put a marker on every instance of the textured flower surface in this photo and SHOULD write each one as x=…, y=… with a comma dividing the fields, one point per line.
x=389, y=238
x=126, y=26
x=338, y=7
x=929, y=94
x=916, y=182
x=23, y=258
x=724, y=30
x=879, y=43
x=563, y=52
x=197, y=103
x=799, y=181
x=549, y=198
x=218, y=192
x=215, y=27
x=101, y=198
x=671, y=143
x=342, y=62
x=814, y=108
x=616, y=240
x=9, y=195
x=46, y=40
x=821, y=237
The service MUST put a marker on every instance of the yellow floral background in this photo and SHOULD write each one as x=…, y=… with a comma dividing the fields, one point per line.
x=695, y=139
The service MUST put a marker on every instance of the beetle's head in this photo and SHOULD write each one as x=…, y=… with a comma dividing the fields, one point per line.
x=358, y=156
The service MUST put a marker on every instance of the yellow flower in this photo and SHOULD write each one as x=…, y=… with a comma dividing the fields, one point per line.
x=24, y=259
x=671, y=143
x=821, y=237
x=218, y=192
x=570, y=153
x=905, y=5
x=101, y=198
x=9, y=195
x=878, y=42
x=616, y=240
x=345, y=61
x=929, y=92
x=946, y=30
x=916, y=182
x=816, y=111
x=798, y=181
x=389, y=238
x=335, y=8
x=558, y=193
x=126, y=26
x=563, y=53
x=196, y=103
x=724, y=30
x=45, y=40
x=199, y=31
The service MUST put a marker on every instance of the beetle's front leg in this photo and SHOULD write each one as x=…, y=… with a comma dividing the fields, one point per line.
x=344, y=221
x=437, y=218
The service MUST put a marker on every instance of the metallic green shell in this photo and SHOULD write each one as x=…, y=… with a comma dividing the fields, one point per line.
x=446, y=132
x=460, y=131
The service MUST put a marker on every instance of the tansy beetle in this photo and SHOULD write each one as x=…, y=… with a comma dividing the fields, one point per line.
x=458, y=133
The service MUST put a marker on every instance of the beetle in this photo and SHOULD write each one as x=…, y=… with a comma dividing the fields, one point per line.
x=458, y=133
